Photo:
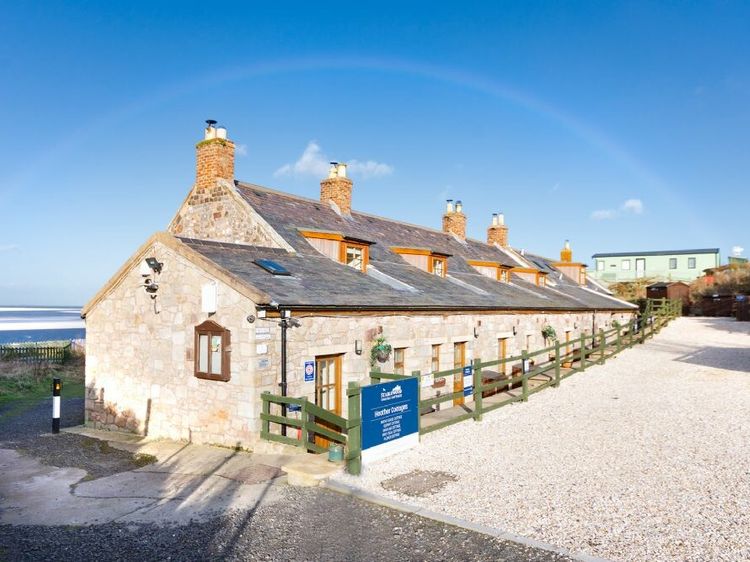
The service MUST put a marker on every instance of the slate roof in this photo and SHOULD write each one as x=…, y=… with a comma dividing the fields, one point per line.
x=319, y=282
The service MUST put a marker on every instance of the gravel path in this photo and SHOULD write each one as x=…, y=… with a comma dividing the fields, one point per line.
x=644, y=458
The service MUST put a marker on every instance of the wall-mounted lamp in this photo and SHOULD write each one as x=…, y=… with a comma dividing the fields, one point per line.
x=575, y=325
x=358, y=347
x=476, y=331
x=515, y=330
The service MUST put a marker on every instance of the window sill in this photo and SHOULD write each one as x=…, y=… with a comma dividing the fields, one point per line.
x=210, y=377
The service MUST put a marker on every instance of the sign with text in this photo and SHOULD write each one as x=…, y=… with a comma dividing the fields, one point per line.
x=309, y=371
x=390, y=418
x=468, y=381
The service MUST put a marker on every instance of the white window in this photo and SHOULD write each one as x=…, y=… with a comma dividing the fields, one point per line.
x=691, y=263
x=438, y=266
x=355, y=257
x=600, y=265
x=625, y=265
x=672, y=263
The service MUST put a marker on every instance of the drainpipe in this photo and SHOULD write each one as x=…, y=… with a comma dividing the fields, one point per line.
x=283, y=325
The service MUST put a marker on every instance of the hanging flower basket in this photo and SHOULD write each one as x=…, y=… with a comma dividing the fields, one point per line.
x=381, y=351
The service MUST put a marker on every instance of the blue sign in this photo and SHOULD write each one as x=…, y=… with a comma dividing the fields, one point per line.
x=309, y=371
x=390, y=411
x=293, y=408
x=468, y=381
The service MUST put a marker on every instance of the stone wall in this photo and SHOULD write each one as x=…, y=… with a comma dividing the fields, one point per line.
x=221, y=215
x=139, y=360
x=417, y=333
x=139, y=368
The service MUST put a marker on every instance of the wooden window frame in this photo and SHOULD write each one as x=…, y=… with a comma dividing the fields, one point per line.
x=399, y=364
x=345, y=245
x=338, y=367
x=435, y=358
x=210, y=328
x=431, y=265
x=502, y=353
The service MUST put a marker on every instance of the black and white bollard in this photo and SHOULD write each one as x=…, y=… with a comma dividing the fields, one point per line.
x=56, y=388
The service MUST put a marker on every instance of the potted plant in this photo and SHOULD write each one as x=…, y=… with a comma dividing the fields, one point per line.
x=380, y=351
x=549, y=335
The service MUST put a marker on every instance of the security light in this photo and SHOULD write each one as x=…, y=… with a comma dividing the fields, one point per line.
x=154, y=264
x=261, y=313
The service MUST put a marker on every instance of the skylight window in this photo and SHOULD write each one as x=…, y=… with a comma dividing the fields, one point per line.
x=272, y=267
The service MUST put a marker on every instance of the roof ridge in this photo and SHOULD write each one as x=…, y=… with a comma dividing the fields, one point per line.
x=356, y=212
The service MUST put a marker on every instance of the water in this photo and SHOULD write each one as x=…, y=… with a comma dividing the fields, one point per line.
x=20, y=324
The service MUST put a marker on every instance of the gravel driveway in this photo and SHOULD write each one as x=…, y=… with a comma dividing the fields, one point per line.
x=644, y=458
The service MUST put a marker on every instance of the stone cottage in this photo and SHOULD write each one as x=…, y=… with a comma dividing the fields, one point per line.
x=185, y=337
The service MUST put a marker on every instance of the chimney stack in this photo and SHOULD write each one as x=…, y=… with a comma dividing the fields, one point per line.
x=337, y=188
x=454, y=220
x=566, y=254
x=214, y=157
x=497, y=233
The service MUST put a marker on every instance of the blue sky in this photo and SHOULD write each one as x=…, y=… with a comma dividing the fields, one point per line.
x=621, y=126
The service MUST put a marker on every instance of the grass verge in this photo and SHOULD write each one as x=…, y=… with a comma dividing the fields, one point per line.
x=25, y=384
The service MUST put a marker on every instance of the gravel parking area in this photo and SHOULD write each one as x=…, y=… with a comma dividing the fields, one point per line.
x=644, y=458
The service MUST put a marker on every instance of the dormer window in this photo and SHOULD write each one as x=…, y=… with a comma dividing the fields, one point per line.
x=438, y=266
x=531, y=275
x=426, y=260
x=352, y=252
x=491, y=269
x=354, y=255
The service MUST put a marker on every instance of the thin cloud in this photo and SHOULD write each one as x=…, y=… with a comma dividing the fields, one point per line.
x=241, y=149
x=8, y=247
x=631, y=206
x=634, y=206
x=313, y=162
x=603, y=215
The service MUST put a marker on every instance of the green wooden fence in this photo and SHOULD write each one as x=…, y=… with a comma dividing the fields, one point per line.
x=313, y=422
x=530, y=372
x=35, y=353
x=545, y=367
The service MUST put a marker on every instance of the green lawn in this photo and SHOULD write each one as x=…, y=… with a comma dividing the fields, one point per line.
x=22, y=385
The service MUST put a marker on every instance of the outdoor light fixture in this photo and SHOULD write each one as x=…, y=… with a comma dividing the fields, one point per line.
x=154, y=264
x=358, y=347
x=261, y=313
x=515, y=330
x=476, y=331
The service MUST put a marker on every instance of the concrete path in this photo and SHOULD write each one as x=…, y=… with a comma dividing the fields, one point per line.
x=188, y=482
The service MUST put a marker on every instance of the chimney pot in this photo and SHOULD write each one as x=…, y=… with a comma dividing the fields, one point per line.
x=459, y=207
x=449, y=205
x=221, y=132
x=497, y=233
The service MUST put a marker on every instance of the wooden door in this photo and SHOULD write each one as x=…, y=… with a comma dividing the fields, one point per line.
x=327, y=389
x=459, y=360
x=502, y=353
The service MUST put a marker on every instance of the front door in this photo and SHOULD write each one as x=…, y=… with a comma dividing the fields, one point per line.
x=327, y=388
x=640, y=267
x=459, y=360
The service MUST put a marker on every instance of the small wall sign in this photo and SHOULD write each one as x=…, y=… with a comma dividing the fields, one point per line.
x=261, y=349
x=309, y=371
x=468, y=380
x=264, y=363
x=262, y=333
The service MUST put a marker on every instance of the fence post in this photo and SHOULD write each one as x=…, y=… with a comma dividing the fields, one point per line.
x=418, y=375
x=583, y=352
x=266, y=408
x=619, y=339
x=557, y=363
x=524, y=377
x=354, y=431
x=304, y=436
x=476, y=371
x=602, y=345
